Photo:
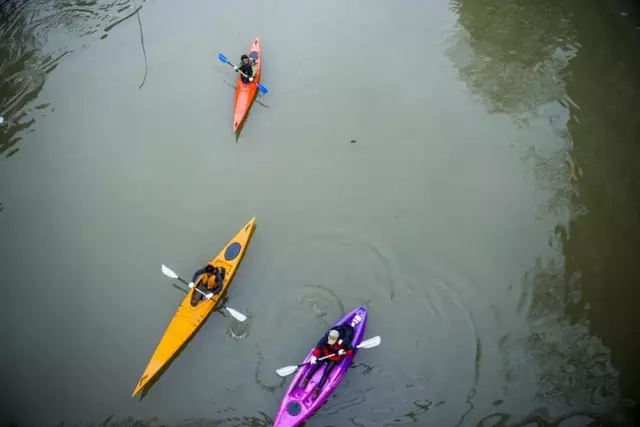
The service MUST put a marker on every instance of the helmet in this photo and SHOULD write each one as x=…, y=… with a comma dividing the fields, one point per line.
x=333, y=337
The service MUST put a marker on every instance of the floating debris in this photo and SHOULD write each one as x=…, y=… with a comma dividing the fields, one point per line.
x=353, y=141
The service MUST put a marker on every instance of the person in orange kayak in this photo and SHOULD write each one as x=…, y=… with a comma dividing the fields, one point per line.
x=337, y=342
x=210, y=282
x=247, y=67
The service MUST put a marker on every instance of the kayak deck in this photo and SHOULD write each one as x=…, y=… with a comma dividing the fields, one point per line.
x=188, y=319
x=298, y=403
x=245, y=93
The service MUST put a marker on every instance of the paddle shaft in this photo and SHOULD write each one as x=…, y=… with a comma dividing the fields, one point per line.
x=239, y=69
x=322, y=358
x=326, y=357
x=194, y=287
x=224, y=59
x=335, y=354
x=245, y=74
x=288, y=370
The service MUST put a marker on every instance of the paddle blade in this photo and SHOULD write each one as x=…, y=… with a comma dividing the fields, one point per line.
x=287, y=370
x=235, y=313
x=222, y=58
x=263, y=90
x=168, y=272
x=370, y=343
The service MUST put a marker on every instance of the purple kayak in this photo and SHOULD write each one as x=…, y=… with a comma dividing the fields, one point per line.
x=298, y=404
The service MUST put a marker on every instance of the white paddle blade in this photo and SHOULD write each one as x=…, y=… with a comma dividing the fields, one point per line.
x=168, y=272
x=235, y=313
x=287, y=370
x=370, y=343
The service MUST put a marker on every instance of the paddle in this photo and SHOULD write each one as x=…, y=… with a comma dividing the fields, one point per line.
x=288, y=370
x=169, y=273
x=261, y=88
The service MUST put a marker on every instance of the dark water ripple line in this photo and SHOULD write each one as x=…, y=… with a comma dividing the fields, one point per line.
x=422, y=406
x=339, y=407
x=120, y=21
x=27, y=59
x=412, y=417
x=541, y=418
x=440, y=284
x=263, y=420
x=144, y=50
x=13, y=24
x=329, y=292
x=383, y=258
x=353, y=248
x=27, y=85
x=474, y=327
x=269, y=388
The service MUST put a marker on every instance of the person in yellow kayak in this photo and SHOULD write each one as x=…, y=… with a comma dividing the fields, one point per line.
x=248, y=67
x=209, y=282
x=336, y=343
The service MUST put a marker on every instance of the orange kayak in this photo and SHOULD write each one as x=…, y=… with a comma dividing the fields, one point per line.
x=245, y=93
x=188, y=319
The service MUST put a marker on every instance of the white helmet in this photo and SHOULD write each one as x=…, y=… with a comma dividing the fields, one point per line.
x=333, y=337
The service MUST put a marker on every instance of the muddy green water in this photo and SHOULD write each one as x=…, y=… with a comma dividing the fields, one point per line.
x=487, y=212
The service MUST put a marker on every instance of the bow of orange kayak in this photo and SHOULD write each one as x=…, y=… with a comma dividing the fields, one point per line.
x=188, y=318
x=246, y=93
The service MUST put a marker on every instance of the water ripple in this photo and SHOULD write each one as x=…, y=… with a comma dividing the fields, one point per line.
x=440, y=356
x=331, y=258
x=34, y=37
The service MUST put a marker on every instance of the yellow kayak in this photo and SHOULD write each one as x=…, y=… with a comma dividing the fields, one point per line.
x=188, y=319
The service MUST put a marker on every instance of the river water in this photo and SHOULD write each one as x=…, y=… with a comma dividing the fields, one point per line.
x=465, y=169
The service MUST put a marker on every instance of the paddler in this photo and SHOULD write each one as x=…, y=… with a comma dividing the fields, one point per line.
x=210, y=282
x=247, y=67
x=336, y=342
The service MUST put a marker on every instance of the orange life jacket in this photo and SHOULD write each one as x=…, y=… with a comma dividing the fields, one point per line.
x=209, y=280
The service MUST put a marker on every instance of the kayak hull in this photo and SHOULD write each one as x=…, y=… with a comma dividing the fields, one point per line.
x=298, y=404
x=246, y=93
x=187, y=319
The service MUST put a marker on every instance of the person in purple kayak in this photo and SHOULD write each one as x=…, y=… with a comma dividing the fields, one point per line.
x=336, y=342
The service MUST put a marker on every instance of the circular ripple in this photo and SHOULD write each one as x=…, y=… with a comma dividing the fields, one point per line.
x=431, y=352
x=317, y=278
x=347, y=264
x=430, y=339
x=295, y=324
